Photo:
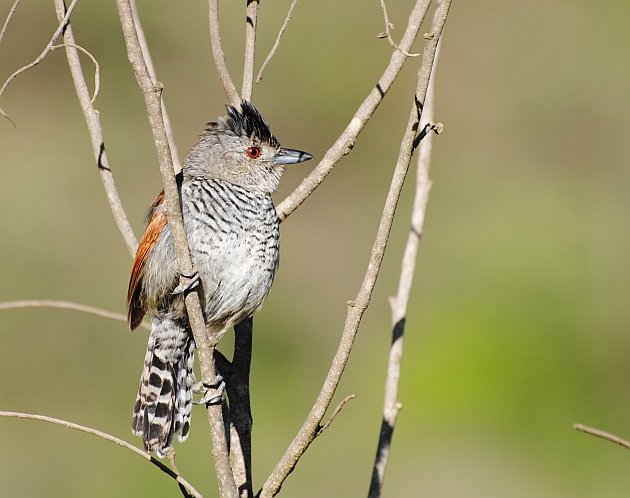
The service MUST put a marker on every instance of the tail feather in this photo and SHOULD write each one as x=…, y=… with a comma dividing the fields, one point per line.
x=164, y=402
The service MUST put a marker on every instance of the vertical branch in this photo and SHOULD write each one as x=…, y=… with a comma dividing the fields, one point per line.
x=238, y=387
x=204, y=344
x=93, y=123
x=250, y=48
x=177, y=165
x=391, y=405
x=217, y=53
x=240, y=408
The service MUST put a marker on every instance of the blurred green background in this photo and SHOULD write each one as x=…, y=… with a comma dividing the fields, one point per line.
x=518, y=322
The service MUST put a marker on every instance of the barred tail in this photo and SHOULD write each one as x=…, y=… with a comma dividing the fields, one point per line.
x=164, y=402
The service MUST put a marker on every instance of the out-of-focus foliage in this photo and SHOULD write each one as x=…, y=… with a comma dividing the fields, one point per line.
x=518, y=324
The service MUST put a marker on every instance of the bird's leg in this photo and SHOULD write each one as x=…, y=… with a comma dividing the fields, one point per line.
x=212, y=393
x=187, y=282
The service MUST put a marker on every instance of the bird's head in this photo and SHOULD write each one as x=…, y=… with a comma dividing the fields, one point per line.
x=240, y=148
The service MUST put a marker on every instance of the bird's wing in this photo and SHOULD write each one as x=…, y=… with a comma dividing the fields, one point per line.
x=157, y=221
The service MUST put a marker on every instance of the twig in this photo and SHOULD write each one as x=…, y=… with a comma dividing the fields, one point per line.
x=391, y=405
x=8, y=19
x=65, y=305
x=277, y=42
x=603, y=435
x=93, y=123
x=204, y=343
x=356, y=308
x=251, y=23
x=97, y=67
x=41, y=56
x=103, y=435
x=388, y=34
x=336, y=411
x=343, y=145
x=149, y=61
x=217, y=53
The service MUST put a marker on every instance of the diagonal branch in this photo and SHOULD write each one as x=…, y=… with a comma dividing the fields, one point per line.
x=218, y=54
x=93, y=123
x=62, y=24
x=602, y=435
x=277, y=42
x=391, y=405
x=343, y=145
x=204, y=343
x=108, y=437
x=357, y=307
x=8, y=19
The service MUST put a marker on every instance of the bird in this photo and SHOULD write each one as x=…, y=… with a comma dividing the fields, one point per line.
x=232, y=227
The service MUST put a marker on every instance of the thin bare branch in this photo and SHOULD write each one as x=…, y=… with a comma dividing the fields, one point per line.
x=391, y=405
x=93, y=123
x=8, y=19
x=388, y=33
x=41, y=56
x=357, y=307
x=277, y=42
x=204, y=343
x=218, y=54
x=147, y=57
x=603, y=435
x=65, y=305
x=97, y=67
x=251, y=19
x=107, y=437
x=343, y=145
x=336, y=411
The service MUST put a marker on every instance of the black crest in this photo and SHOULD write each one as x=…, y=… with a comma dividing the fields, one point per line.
x=248, y=122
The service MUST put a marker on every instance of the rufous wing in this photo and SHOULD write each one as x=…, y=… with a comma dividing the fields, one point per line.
x=157, y=221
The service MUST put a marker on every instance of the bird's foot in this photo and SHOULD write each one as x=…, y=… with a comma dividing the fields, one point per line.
x=212, y=393
x=187, y=282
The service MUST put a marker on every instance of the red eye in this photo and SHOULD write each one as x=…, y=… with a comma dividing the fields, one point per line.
x=254, y=152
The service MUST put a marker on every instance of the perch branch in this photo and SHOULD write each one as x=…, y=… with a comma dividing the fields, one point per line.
x=251, y=23
x=204, y=343
x=218, y=54
x=93, y=123
x=603, y=435
x=343, y=145
x=108, y=437
x=277, y=42
x=357, y=307
x=42, y=56
x=391, y=405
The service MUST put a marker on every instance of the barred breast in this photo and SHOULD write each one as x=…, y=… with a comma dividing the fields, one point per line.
x=233, y=235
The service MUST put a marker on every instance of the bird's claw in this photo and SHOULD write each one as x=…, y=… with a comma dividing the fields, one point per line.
x=187, y=282
x=212, y=393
